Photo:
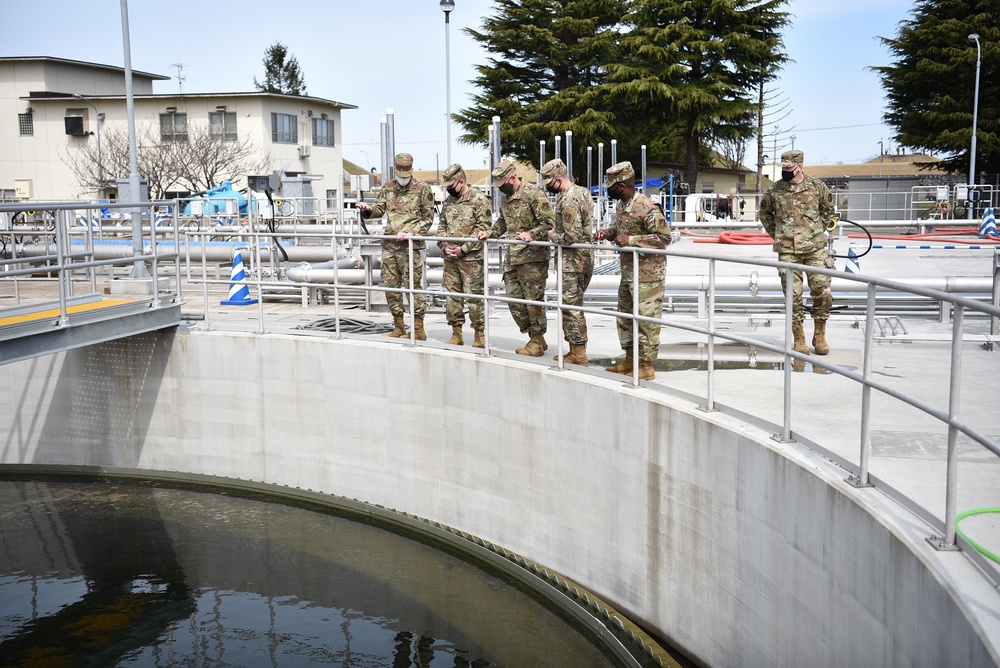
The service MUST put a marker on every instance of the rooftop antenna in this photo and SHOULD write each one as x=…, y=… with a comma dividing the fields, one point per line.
x=180, y=77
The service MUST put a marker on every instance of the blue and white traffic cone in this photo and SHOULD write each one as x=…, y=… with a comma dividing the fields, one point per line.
x=852, y=266
x=988, y=228
x=239, y=293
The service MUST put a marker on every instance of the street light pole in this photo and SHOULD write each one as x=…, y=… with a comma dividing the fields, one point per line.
x=100, y=161
x=446, y=7
x=975, y=114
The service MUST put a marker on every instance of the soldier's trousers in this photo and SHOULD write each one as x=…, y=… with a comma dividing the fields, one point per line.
x=464, y=276
x=527, y=281
x=396, y=274
x=574, y=284
x=819, y=285
x=650, y=306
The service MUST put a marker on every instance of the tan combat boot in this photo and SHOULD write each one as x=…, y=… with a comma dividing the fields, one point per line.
x=456, y=336
x=799, y=334
x=577, y=354
x=646, y=371
x=535, y=347
x=624, y=364
x=418, y=330
x=819, y=338
x=479, y=341
x=400, y=330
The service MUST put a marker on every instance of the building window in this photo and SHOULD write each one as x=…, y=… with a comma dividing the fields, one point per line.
x=26, y=123
x=173, y=127
x=708, y=186
x=284, y=129
x=223, y=125
x=322, y=132
x=331, y=199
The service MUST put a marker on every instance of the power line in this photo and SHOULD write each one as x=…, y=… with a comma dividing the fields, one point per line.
x=843, y=127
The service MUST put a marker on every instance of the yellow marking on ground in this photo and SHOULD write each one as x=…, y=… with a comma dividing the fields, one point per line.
x=54, y=312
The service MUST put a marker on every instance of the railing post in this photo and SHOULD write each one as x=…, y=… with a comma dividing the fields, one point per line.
x=866, y=394
x=559, y=307
x=336, y=283
x=786, y=430
x=994, y=320
x=487, y=303
x=947, y=542
x=63, y=271
x=635, y=316
x=413, y=308
x=710, y=389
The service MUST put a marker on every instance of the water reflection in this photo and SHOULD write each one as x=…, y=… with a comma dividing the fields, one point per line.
x=122, y=574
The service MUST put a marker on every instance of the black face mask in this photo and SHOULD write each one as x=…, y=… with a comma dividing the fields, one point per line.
x=506, y=189
x=453, y=192
x=616, y=193
x=787, y=176
x=552, y=188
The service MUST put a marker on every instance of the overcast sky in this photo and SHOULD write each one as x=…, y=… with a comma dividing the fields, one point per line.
x=379, y=54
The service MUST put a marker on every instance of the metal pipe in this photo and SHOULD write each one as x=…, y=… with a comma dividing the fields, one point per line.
x=390, y=123
x=569, y=153
x=541, y=162
x=643, y=188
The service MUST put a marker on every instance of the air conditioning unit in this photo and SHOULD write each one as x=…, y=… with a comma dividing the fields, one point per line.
x=304, y=151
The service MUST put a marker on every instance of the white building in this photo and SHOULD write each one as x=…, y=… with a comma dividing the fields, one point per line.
x=60, y=106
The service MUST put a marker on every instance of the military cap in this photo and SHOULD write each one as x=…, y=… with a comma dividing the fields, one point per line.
x=553, y=169
x=791, y=158
x=451, y=174
x=502, y=172
x=619, y=173
x=404, y=164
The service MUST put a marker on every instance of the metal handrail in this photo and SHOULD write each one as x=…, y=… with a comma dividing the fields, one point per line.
x=65, y=261
x=860, y=477
x=948, y=417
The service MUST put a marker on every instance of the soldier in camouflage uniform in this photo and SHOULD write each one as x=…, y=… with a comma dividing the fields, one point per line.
x=466, y=213
x=796, y=211
x=574, y=225
x=526, y=213
x=638, y=223
x=410, y=206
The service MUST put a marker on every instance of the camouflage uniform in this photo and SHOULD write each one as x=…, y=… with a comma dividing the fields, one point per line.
x=464, y=217
x=646, y=227
x=527, y=267
x=574, y=221
x=410, y=209
x=796, y=217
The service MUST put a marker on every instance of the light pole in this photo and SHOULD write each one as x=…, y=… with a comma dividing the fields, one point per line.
x=975, y=116
x=100, y=161
x=881, y=152
x=446, y=7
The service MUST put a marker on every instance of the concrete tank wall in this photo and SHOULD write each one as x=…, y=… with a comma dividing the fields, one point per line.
x=737, y=549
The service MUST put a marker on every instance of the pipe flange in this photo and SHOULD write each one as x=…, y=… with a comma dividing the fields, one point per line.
x=754, y=276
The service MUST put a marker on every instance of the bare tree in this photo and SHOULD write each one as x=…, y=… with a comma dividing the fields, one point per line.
x=205, y=160
x=202, y=162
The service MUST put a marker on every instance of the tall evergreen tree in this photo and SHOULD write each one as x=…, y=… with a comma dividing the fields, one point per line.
x=281, y=72
x=542, y=79
x=930, y=86
x=693, y=69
